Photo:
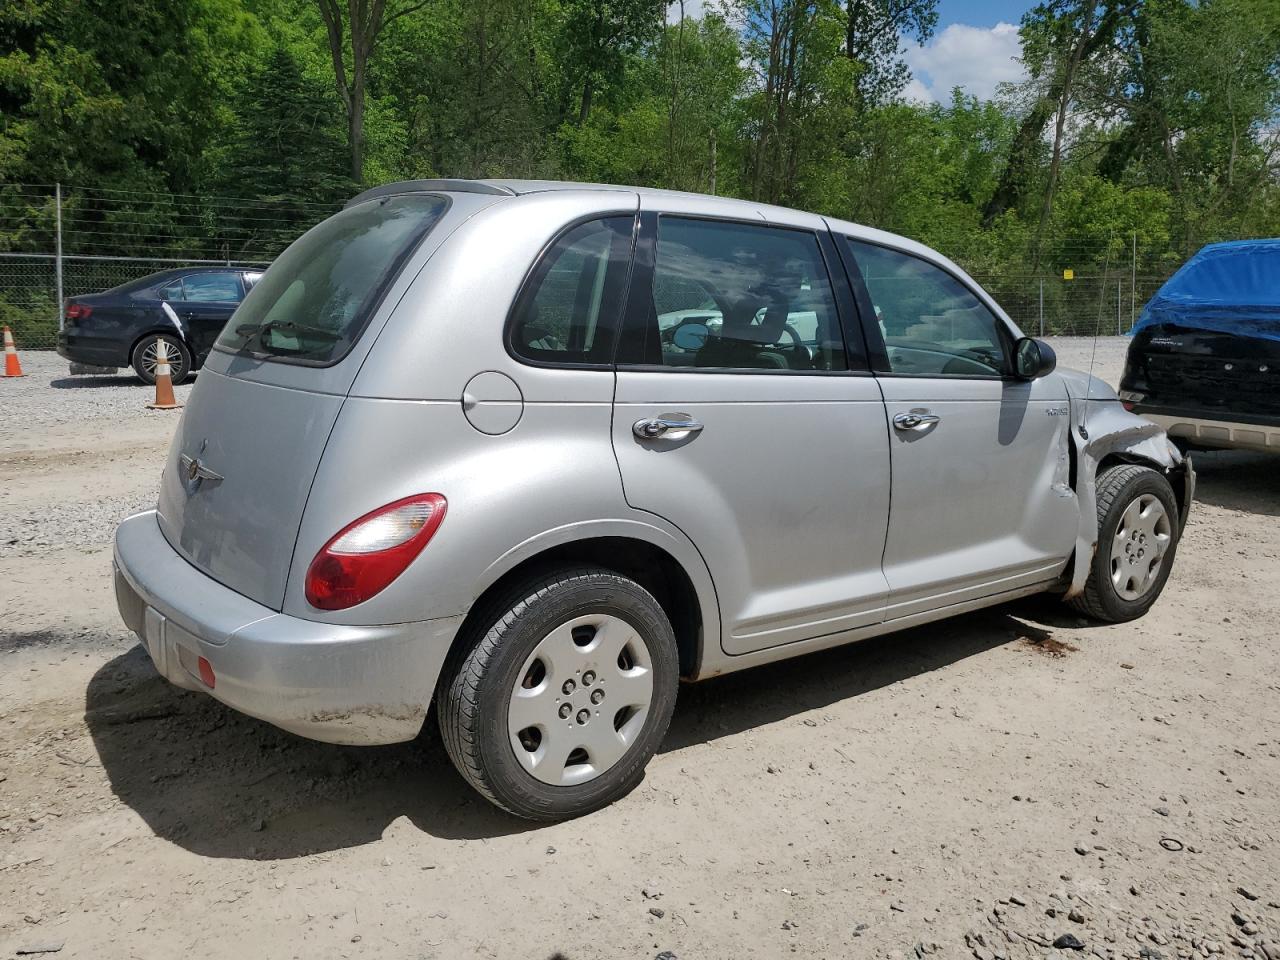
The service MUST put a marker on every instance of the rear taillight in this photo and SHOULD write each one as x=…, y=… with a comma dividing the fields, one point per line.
x=1129, y=397
x=78, y=311
x=364, y=556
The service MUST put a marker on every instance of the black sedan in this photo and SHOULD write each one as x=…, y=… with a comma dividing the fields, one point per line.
x=186, y=307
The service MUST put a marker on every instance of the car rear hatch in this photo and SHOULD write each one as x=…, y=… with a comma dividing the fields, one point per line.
x=1207, y=374
x=244, y=456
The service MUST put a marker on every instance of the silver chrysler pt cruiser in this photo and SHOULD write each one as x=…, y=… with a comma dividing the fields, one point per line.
x=535, y=452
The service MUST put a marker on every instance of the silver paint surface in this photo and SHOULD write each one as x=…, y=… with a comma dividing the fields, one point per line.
x=802, y=518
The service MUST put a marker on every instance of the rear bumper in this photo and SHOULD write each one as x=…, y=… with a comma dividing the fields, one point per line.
x=94, y=351
x=340, y=684
x=1221, y=434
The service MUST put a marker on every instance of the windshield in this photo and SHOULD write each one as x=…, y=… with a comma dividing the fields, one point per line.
x=314, y=301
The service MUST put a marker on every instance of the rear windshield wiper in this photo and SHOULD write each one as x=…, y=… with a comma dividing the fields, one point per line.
x=252, y=332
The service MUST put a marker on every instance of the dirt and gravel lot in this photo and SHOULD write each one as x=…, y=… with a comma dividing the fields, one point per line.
x=983, y=787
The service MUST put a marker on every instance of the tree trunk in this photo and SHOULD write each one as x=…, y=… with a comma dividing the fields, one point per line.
x=1022, y=152
x=1064, y=101
x=355, y=128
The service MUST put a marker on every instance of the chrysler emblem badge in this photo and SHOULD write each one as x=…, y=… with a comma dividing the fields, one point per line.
x=194, y=471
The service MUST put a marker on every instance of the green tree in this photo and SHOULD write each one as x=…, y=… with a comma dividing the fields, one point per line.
x=596, y=37
x=874, y=31
x=1058, y=36
x=283, y=147
x=356, y=33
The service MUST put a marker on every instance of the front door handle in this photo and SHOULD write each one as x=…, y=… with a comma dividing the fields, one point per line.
x=667, y=424
x=915, y=420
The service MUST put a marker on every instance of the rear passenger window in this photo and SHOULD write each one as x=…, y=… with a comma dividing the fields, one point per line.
x=739, y=296
x=932, y=324
x=569, y=309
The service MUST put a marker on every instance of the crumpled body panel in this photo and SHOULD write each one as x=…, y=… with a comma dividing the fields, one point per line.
x=1102, y=428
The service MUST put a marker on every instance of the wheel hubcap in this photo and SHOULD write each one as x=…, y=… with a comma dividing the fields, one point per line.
x=581, y=699
x=150, y=359
x=1138, y=548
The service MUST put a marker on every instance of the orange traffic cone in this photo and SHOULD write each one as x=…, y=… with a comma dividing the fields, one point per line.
x=164, y=379
x=12, y=368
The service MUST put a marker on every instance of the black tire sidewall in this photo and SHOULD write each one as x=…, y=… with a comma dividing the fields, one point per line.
x=180, y=361
x=608, y=593
x=1117, y=607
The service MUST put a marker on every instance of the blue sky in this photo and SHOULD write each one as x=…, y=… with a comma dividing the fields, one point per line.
x=975, y=47
x=980, y=13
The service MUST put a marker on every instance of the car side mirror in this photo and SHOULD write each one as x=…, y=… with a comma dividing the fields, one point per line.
x=1033, y=359
x=691, y=336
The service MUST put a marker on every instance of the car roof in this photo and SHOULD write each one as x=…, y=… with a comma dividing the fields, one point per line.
x=514, y=188
x=747, y=209
x=194, y=268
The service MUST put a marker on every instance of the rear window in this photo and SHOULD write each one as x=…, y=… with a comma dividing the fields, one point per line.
x=314, y=301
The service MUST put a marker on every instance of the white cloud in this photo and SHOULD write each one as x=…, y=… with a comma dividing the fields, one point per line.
x=975, y=59
x=917, y=91
x=692, y=10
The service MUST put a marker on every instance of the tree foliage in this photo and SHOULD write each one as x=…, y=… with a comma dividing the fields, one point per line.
x=1154, y=123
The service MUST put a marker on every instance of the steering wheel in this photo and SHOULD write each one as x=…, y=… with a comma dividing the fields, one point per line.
x=797, y=345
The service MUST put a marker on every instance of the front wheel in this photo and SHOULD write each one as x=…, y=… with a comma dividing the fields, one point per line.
x=566, y=691
x=1137, y=538
x=144, y=358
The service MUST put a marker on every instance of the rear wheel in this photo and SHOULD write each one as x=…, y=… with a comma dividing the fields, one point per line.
x=1137, y=538
x=144, y=358
x=557, y=705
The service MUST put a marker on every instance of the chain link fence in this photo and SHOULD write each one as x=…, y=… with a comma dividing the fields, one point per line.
x=29, y=287
x=59, y=241
x=94, y=229
x=1102, y=304
x=1041, y=306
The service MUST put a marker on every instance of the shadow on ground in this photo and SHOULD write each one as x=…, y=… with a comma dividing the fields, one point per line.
x=223, y=785
x=90, y=381
x=1238, y=480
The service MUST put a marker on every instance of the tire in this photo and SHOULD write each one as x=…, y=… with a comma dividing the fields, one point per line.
x=557, y=629
x=143, y=362
x=1117, y=589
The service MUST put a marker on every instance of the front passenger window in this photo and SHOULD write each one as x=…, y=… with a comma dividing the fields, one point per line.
x=932, y=324
x=213, y=287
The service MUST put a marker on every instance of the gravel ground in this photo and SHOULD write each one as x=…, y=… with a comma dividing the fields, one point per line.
x=84, y=438
x=49, y=397
x=1104, y=359
x=1016, y=783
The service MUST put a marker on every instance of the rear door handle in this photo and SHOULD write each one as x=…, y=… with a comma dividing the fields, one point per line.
x=915, y=420
x=667, y=424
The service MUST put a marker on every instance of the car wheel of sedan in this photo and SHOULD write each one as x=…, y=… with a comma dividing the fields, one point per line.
x=144, y=358
x=566, y=691
x=1137, y=538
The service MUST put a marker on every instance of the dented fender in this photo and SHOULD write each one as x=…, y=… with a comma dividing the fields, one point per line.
x=1100, y=428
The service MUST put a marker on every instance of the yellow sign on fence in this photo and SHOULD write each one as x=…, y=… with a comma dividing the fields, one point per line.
x=1068, y=274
